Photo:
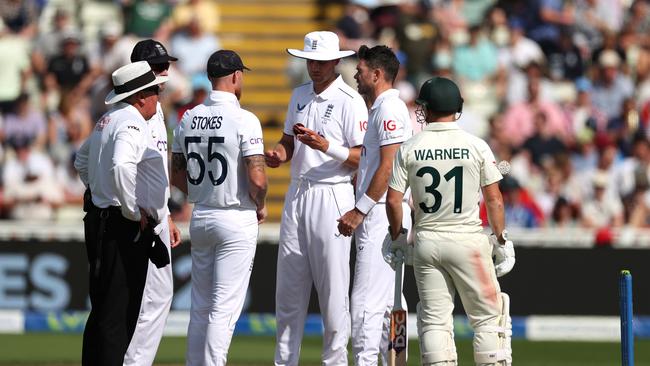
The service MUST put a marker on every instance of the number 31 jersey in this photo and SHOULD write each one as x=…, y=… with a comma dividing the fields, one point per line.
x=445, y=167
x=215, y=137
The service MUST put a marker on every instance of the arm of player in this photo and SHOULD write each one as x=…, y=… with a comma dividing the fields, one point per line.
x=495, y=209
x=394, y=211
x=281, y=153
x=257, y=184
x=378, y=186
x=81, y=161
x=179, y=172
x=126, y=155
x=174, y=234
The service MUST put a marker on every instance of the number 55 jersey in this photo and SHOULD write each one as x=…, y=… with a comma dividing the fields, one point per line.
x=445, y=167
x=214, y=137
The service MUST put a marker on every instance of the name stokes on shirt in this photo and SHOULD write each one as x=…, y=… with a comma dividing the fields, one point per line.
x=442, y=154
x=204, y=123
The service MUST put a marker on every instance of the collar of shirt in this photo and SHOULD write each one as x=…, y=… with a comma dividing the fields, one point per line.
x=330, y=92
x=217, y=96
x=441, y=126
x=390, y=93
x=131, y=109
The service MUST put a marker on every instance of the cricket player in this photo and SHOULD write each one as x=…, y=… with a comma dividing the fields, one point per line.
x=446, y=169
x=218, y=160
x=323, y=132
x=389, y=124
x=159, y=289
x=128, y=184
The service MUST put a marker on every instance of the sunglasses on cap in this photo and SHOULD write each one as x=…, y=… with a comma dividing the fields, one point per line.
x=158, y=68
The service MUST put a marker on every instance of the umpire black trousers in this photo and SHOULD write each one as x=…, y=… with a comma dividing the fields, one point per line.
x=118, y=264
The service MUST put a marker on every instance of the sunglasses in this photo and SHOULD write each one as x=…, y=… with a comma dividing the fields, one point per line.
x=152, y=89
x=158, y=68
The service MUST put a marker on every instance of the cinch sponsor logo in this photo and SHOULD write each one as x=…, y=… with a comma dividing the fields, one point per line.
x=256, y=140
x=390, y=125
x=161, y=145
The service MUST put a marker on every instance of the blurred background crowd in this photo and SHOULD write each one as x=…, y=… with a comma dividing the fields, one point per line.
x=560, y=89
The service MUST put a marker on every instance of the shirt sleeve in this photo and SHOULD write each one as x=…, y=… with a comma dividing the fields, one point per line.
x=130, y=143
x=177, y=144
x=81, y=161
x=399, y=176
x=355, y=122
x=393, y=126
x=489, y=171
x=290, y=119
x=252, y=141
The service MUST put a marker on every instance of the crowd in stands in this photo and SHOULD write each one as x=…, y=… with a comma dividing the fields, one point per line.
x=560, y=89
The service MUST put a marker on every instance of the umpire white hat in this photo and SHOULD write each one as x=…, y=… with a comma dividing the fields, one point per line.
x=130, y=79
x=320, y=46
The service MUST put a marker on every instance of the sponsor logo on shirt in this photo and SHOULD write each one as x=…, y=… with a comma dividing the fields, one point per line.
x=363, y=125
x=390, y=125
x=300, y=108
x=131, y=127
x=256, y=140
x=161, y=145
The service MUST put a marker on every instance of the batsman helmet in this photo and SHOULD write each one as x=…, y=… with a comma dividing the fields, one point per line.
x=440, y=95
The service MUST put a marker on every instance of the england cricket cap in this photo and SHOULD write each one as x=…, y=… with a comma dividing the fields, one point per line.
x=320, y=46
x=224, y=62
x=440, y=95
x=151, y=51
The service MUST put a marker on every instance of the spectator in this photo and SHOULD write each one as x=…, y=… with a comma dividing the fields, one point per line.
x=200, y=88
x=14, y=70
x=20, y=16
x=543, y=145
x=207, y=13
x=48, y=42
x=565, y=59
x=564, y=214
x=546, y=18
x=68, y=128
x=477, y=60
x=69, y=69
x=30, y=188
x=520, y=209
x=611, y=87
x=519, y=120
x=25, y=123
x=602, y=209
x=147, y=18
x=584, y=117
x=194, y=46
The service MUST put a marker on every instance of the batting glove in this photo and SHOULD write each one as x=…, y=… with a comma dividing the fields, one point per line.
x=504, y=254
x=390, y=248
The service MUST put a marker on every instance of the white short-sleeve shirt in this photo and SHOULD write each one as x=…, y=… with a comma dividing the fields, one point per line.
x=445, y=167
x=389, y=123
x=339, y=114
x=215, y=137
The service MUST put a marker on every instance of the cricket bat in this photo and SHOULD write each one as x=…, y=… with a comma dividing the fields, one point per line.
x=398, y=337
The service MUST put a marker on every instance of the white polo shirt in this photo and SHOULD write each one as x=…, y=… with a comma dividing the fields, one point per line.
x=339, y=114
x=215, y=137
x=389, y=123
x=445, y=167
x=117, y=160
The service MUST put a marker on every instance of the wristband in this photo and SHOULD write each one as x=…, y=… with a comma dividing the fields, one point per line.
x=338, y=152
x=365, y=204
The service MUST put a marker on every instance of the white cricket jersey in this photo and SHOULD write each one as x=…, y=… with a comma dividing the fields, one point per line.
x=215, y=137
x=389, y=123
x=339, y=114
x=445, y=167
x=117, y=160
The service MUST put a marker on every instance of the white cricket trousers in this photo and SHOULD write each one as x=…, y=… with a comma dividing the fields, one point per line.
x=156, y=301
x=373, y=290
x=312, y=250
x=223, y=249
x=445, y=263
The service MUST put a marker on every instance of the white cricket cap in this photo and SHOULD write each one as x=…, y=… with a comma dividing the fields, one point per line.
x=320, y=46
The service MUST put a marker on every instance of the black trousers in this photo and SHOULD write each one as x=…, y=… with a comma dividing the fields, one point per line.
x=117, y=275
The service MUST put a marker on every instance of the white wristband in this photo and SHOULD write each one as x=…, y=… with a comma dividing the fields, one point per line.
x=338, y=152
x=365, y=204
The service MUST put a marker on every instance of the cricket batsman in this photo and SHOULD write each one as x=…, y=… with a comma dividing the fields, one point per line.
x=447, y=169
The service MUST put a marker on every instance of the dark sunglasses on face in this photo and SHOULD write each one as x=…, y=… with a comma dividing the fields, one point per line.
x=157, y=68
x=152, y=89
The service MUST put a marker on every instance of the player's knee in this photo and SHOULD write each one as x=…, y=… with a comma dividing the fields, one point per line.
x=492, y=342
x=436, y=343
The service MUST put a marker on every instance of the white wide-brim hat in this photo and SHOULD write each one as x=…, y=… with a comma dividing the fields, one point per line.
x=130, y=79
x=320, y=46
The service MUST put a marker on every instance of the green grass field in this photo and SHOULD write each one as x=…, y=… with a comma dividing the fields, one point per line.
x=64, y=350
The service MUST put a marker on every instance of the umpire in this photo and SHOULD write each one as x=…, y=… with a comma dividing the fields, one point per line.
x=115, y=162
